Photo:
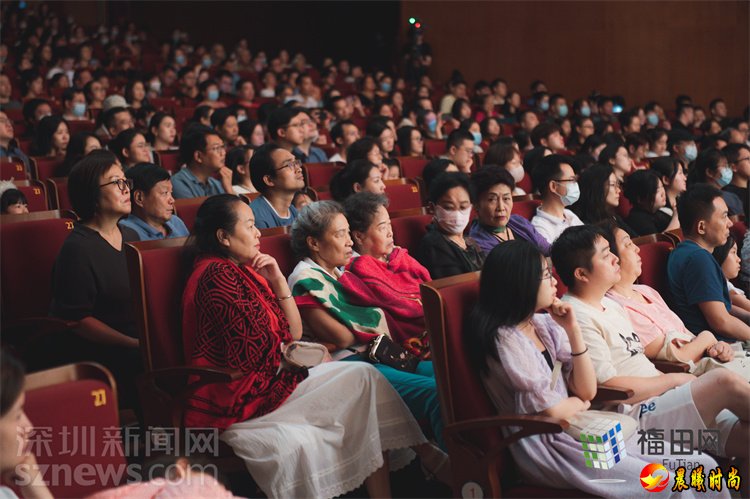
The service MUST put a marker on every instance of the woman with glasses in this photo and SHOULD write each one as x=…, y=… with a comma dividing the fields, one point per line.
x=90, y=277
x=600, y=197
x=130, y=147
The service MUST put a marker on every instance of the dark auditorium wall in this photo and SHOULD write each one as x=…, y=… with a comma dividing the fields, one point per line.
x=637, y=49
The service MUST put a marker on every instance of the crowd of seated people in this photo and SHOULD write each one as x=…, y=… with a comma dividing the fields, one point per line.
x=243, y=132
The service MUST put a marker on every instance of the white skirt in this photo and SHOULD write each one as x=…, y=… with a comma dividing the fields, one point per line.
x=329, y=435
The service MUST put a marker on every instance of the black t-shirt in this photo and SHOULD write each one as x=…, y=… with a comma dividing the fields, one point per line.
x=742, y=193
x=90, y=279
x=443, y=258
x=643, y=222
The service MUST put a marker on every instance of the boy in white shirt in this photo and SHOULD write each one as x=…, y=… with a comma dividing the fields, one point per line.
x=557, y=183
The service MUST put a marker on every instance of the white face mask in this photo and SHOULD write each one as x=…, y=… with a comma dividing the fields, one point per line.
x=453, y=221
x=517, y=172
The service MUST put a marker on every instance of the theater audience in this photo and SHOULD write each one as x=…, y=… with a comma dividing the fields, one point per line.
x=74, y=105
x=379, y=130
x=277, y=175
x=672, y=175
x=238, y=160
x=662, y=333
x=18, y=464
x=434, y=168
x=460, y=150
x=287, y=127
x=600, y=196
x=224, y=121
x=616, y=156
x=681, y=145
x=131, y=148
x=306, y=151
x=331, y=310
x=81, y=143
x=237, y=301
x=410, y=141
x=51, y=138
x=90, y=283
x=203, y=152
x=584, y=262
x=495, y=223
x=368, y=148
x=113, y=121
x=8, y=145
x=712, y=168
x=12, y=201
x=443, y=250
x=557, y=183
x=343, y=134
x=358, y=176
x=162, y=132
x=152, y=205
x=648, y=196
x=738, y=158
x=730, y=262
x=514, y=348
x=507, y=156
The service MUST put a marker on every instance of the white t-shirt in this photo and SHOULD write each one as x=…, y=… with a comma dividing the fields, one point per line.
x=337, y=157
x=614, y=347
x=550, y=227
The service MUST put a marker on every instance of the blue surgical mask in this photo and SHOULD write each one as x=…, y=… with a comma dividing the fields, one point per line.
x=691, y=152
x=180, y=59
x=562, y=110
x=432, y=125
x=726, y=177
x=207, y=62
x=652, y=119
x=241, y=118
x=572, y=194
x=213, y=95
x=544, y=105
x=79, y=109
x=477, y=137
x=385, y=87
x=586, y=111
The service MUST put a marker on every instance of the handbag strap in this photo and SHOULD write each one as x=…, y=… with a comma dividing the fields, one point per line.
x=555, y=374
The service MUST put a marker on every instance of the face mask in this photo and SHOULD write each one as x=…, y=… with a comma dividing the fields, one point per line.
x=572, y=195
x=452, y=222
x=213, y=95
x=544, y=105
x=206, y=62
x=180, y=59
x=385, y=87
x=79, y=109
x=432, y=125
x=691, y=152
x=562, y=110
x=586, y=111
x=155, y=86
x=477, y=138
x=652, y=119
x=241, y=118
x=726, y=177
x=517, y=173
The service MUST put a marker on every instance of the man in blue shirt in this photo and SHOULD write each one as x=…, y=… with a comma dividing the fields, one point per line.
x=306, y=152
x=203, y=153
x=698, y=286
x=277, y=175
x=152, y=205
x=8, y=146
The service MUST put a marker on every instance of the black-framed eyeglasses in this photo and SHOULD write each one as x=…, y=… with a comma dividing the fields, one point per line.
x=293, y=164
x=563, y=180
x=547, y=274
x=122, y=183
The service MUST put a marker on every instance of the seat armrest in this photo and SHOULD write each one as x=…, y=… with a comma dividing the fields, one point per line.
x=666, y=366
x=612, y=393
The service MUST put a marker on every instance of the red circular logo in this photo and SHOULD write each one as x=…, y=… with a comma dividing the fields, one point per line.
x=654, y=477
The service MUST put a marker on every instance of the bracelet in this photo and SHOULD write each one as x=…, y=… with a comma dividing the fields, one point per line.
x=285, y=298
x=579, y=353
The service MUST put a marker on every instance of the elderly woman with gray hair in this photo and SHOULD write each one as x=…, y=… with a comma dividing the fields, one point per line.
x=323, y=293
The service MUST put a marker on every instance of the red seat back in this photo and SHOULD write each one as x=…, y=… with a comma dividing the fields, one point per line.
x=526, y=209
x=169, y=160
x=409, y=231
x=27, y=254
x=76, y=126
x=434, y=147
x=58, y=193
x=86, y=433
x=411, y=167
x=403, y=196
x=11, y=169
x=45, y=168
x=166, y=104
x=280, y=247
x=187, y=210
x=320, y=174
x=624, y=207
x=35, y=194
x=155, y=269
x=526, y=184
x=738, y=231
x=654, y=265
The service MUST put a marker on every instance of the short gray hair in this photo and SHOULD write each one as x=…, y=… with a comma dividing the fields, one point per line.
x=312, y=221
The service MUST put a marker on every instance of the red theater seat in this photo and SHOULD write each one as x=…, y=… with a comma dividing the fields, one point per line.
x=44, y=168
x=12, y=169
x=411, y=167
x=280, y=247
x=35, y=193
x=169, y=160
x=187, y=209
x=403, y=194
x=57, y=188
x=320, y=174
x=526, y=209
x=526, y=184
x=77, y=427
x=434, y=147
x=654, y=256
x=408, y=231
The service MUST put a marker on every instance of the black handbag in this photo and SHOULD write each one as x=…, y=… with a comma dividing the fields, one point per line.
x=382, y=350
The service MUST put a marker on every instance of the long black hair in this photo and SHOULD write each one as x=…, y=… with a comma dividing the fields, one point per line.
x=592, y=205
x=508, y=289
